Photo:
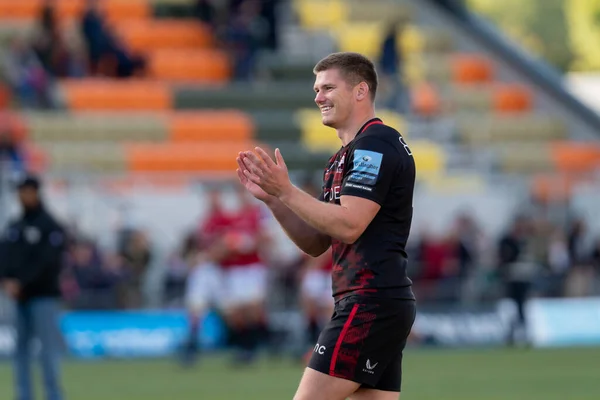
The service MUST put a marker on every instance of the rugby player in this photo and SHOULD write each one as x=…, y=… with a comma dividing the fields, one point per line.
x=364, y=214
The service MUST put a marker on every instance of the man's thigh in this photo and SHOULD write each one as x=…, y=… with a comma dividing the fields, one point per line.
x=316, y=385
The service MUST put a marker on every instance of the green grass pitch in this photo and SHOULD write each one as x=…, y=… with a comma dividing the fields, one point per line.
x=498, y=374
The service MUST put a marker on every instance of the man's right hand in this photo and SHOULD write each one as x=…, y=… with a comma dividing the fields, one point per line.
x=253, y=188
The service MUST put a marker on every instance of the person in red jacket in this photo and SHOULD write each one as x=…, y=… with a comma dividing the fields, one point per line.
x=245, y=276
x=316, y=296
x=204, y=285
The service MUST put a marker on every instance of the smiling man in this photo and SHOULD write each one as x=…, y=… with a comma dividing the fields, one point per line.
x=364, y=213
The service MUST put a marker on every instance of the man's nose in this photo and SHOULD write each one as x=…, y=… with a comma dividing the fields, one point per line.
x=319, y=98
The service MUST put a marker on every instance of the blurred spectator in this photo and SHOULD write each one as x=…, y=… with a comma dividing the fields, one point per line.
x=469, y=238
x=11, y=156
x=137, y=256
x=316, y=296
x=244, y=37
x=93, y=29
x=178, y=269
x=270, y=15
x=206, y=12
x=438, y=277
x=518, y=269
x=576, y=242
x=559, y=263
x=26, y=75
x=595, y=258
x=107, y=53
x=470, y=245
x=595, y=261
x=94, y=278
x=246, y=276
x=120, y=62
x=50, y=45
x=31, y=255
x=580, y=278
x=395, y=95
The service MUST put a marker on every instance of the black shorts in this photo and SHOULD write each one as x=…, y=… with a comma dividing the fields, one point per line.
x=364, y=341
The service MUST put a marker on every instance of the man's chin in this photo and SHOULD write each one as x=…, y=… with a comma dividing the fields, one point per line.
x=328, y=122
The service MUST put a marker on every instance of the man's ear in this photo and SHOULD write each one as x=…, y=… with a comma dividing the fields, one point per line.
x=362, y=91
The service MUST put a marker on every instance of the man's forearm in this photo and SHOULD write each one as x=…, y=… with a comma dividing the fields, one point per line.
x=307, y=238
x=330, y=219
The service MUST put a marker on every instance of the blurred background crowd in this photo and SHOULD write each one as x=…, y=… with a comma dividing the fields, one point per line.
x=92, y=47
x=462, y=265
x=134, y=110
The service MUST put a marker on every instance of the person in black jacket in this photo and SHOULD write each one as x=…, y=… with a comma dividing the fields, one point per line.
x=518, y=268
x=31, y=251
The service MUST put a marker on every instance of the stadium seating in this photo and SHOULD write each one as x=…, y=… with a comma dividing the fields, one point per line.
x=96, y=127
x=573, y=157
x=104, y=95
x=152, y=34
x=326, y=14
x=210, y=126
x=201, y=66
x=501, y=117
x=522, y=128
x=108, y=157
x=184, y=157
x=28, y=10
x=188, y=116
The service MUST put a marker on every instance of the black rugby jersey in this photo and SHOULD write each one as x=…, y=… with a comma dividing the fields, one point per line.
x=377, y=165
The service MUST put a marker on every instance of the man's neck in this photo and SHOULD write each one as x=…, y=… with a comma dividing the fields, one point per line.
x=349, y=132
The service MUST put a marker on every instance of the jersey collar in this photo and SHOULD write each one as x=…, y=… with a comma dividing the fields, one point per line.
x=372, y=121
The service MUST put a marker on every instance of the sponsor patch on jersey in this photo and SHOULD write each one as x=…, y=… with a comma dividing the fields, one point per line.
x=365, y=167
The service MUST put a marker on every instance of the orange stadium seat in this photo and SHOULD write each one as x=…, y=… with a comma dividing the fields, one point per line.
x=512, y=98
x=549, y=188
x=92, y=94
x=146, y=35
x=69, y=9
x=471, y=68
x=186, y=65
x=14, y=125
x=184, y=157
x=425, y=100
x=227, y=125
x=26, y=9
x=36, y=158
x=571, y=157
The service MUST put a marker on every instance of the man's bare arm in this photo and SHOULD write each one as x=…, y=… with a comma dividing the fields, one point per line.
x=307, y=238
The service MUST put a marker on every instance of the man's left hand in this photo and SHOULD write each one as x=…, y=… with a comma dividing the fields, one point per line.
x=270, y=175
x=12, y=287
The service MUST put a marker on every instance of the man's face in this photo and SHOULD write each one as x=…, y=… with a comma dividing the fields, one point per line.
x=28, y=197
x=334, y=97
